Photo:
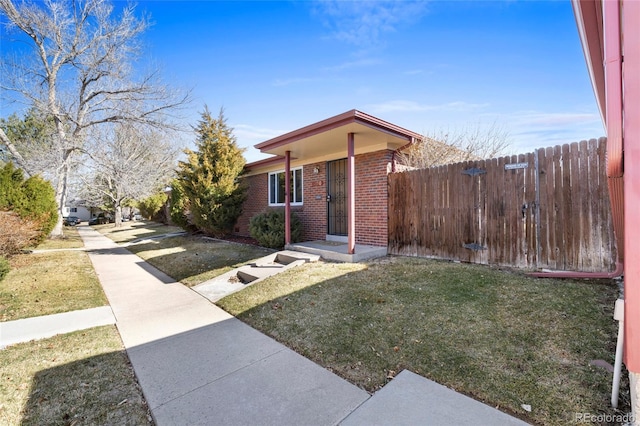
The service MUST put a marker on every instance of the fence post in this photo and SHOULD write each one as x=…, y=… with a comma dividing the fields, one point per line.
x=537, y=210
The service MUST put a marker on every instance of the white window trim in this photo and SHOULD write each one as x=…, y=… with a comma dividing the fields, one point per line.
x=299, y=203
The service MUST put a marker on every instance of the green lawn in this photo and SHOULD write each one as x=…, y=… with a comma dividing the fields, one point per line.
x=500, y=337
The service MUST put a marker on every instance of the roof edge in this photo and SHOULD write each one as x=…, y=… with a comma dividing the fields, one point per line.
x=264, y=162
x=352, y=116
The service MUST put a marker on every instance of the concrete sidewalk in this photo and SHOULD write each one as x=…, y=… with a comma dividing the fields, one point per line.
x=24, y=330
x=197, y=364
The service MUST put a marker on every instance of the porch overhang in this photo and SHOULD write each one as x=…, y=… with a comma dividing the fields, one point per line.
x=326, y=139
x=342, y=136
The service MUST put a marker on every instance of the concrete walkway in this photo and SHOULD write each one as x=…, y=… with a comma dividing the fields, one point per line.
x=24, y=330
x=198, y=365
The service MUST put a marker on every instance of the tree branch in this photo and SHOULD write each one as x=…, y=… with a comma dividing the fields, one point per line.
x=14, y=152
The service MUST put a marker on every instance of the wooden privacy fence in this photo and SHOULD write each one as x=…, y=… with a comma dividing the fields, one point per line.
x=545, y=209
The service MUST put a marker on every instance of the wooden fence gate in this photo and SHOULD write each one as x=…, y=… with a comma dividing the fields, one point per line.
x=545, y=209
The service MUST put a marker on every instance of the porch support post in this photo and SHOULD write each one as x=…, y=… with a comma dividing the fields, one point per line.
x=351, y=195
x=287, y=198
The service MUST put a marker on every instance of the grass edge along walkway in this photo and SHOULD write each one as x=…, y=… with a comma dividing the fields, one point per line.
x=501, y=337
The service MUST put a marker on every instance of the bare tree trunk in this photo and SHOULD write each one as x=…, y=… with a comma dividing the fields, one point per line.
x=14, y=152
x=61, y=198
x=118, y=219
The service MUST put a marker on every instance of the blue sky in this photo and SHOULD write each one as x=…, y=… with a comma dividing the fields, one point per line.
x=425, y=65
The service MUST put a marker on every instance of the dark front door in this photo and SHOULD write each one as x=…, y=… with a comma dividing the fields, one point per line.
x=337, y=197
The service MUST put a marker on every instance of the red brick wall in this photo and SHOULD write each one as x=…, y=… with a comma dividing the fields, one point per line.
x=371, y=200
x=313, y=214
x=256, y=202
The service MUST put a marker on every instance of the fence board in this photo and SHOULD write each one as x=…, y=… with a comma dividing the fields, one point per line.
x=586, y=255
x=556, y=215
x=530, y=218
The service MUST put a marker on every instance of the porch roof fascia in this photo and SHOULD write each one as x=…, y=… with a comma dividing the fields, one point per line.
x=266, y=162
x=349, y=117
x=270, y=164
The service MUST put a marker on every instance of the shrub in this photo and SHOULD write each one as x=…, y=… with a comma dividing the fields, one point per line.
x=4, y=267
x=16, y=233
x=33, y=201
x=268, y=228
x=40, y=205
x=150, y=207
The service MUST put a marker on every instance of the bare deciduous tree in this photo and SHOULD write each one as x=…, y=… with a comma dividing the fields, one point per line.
x=471, y=142
x=127, y=162
x=80, y=73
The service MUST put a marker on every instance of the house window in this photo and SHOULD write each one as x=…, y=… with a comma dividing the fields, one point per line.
x=276, y=188
x=74, y=210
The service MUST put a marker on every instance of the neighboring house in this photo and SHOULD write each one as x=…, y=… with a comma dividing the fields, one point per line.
x=338, y=178
x=78, y=209
x=610, y=36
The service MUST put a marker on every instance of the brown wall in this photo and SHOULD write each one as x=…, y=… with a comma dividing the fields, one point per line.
x=371, y=200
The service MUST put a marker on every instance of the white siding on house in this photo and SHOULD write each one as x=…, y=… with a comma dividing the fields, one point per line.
x=81, y=212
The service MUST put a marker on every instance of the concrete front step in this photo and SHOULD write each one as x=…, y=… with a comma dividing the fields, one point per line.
x=338, y=251
x=239, y=278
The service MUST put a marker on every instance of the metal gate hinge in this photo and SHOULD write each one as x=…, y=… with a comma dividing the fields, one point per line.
x=474, y=171
x=474, y=246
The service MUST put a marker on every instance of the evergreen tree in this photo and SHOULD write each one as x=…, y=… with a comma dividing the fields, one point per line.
x=151, y=207
x=209, y=180
x=179, y=207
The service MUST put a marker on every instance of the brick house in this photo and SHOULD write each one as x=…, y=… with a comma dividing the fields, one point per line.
x=338, y=178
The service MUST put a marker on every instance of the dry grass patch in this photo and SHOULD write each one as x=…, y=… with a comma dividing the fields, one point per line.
x=130, y=231
x=49, y=283
x=71, y=239
x=500, y=337
x=193, y=260
x=72, y=379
